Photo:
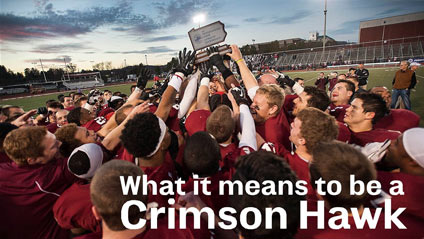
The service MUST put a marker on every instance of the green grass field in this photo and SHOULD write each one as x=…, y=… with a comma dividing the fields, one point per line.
x=378, y=77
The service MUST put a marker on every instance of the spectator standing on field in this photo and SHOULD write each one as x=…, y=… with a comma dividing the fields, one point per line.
x=403, y=82
x=363, y=75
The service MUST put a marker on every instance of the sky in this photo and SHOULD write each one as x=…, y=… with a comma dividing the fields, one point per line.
x=126, y=32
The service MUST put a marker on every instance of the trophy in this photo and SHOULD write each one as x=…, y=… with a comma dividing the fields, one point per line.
x=207, y=36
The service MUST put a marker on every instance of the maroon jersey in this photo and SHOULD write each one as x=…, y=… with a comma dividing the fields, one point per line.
x=52, y=127
x=413, y=198
x=399, y=120
x=332, y=82
x=27, y=196
x=338, y=111
x=230, y=153
x=4, y=158
x=301, y=168
x=172, y=121
x=276, y=130
x=321, y=83
x=162, y=231
x=70, y=108
x=166, y=171
x=375, y=135
x=214, y=201
x=105, y=111
x=414, y=228
x=95, y=124
x=344, y=132
x=73, y=209
x=196, y=121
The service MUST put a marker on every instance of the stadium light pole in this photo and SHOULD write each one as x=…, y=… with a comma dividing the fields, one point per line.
x=146, y=59
x=42, y=68
x=325, y=28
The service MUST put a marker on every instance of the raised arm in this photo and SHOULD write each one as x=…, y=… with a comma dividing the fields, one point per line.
x=144, y=76
x=183, y=69
x=248, y=79
x=189, y=95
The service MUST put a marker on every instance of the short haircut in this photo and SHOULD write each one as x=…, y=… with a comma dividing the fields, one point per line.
x=54, y=105
x=297, y=79
x=337, y=161
x=5, y=110
x=120, y=116
x=202, y=154
x=106, y=193
x=265, y=166
x=318, y=98
x=317, y=126
x=221, y=124
x=5, y=128
x=274, y=95
x=107, y=91
x=141, y=134
x=406, y=62
x=48, y=101
x=74, y=116
x=116, y=93
x=373, y=103
x=354, y=78
x=79, y=94
x=352, y=69
x=82, y=98
x=66, y=134
x=24, y=143
x=219, y=99
x=349, y=85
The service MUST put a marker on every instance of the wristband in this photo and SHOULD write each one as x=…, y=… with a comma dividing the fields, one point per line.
x=205, y=81
x=241, y=59
x=175, y=82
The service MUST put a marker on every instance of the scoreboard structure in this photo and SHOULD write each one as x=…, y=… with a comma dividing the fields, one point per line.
x=391, y=30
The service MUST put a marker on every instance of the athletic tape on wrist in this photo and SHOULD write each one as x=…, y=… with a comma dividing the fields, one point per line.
x=175, y=82
x=205, y=81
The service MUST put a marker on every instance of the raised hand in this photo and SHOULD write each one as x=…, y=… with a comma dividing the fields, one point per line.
x=145, y=75
x=239, y=95
x=185, y=62
x=285, y=80
x=235, y=53
x=206, y=69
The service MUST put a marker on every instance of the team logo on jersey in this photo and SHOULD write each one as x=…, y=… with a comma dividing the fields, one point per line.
x=100, y=120
x=268, y=146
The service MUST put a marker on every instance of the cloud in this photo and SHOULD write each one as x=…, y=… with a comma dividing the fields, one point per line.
x=163, y=38
x=287, y=19
x=348, y=27
x=58, y=59
x=181, y=11
x=230, y=26
x=252, y=19
x=55, y=48
x=149, y=50
x=69, y=23
x=352, y=27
